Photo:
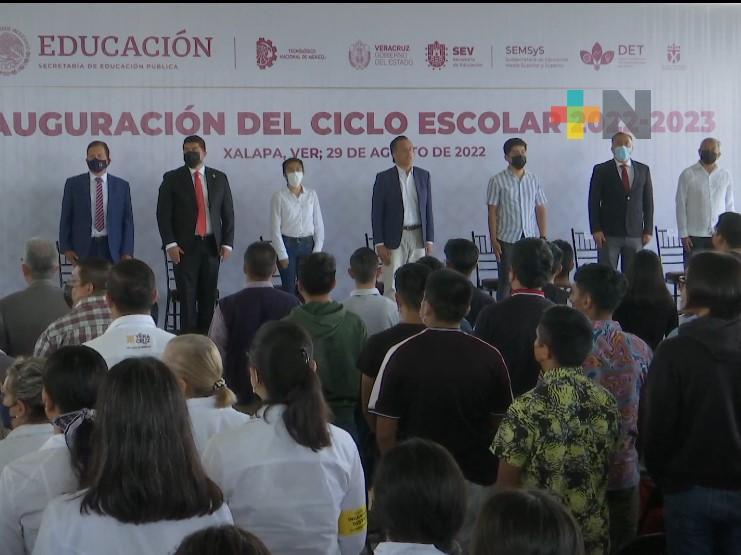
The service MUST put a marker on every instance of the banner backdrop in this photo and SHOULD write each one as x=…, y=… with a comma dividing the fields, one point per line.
x=333, y=84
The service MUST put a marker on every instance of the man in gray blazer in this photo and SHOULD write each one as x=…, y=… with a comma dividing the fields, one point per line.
x=621, y=205
x=26, y=314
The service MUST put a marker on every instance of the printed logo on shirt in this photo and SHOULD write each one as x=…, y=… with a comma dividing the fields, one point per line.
x=140, y=340
x=352, y=521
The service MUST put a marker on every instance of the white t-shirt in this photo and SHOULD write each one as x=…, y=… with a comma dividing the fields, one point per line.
x=23, y=440
x=398, y=548
x=207, y=419
x=135, y=335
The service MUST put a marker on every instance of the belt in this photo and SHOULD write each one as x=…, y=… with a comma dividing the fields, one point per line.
x=102, y=239
x=203, y=237
x=306, y=238
x=411, y=227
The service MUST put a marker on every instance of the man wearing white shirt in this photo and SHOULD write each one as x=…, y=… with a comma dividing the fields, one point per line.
x=377, y=312
x=133, y=333
x=296, y=224
x=704, y=192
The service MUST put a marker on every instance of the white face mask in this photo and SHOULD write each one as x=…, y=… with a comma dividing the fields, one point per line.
x=294, y=179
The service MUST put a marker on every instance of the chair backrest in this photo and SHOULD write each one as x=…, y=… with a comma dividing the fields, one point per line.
x=172, y=308
x=585, y=249
x=487, y=263
x=65, y=267
x=276, y=274
x=369, y=241
x=669, y=248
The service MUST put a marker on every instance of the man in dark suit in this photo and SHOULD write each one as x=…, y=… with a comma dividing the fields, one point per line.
x=97, y=219
x=196, y=221
x=621, y=205
x=403, y=229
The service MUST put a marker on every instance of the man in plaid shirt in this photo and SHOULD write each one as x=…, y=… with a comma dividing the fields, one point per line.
x=90, y=315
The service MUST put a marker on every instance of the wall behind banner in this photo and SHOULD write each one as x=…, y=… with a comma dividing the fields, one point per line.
x=333, y=85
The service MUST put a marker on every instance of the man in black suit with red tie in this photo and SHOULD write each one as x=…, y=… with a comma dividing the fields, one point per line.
x=195, y=216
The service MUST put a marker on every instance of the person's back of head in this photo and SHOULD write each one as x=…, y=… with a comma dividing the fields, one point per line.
x=727, y=236
x=431, y=262
x=364, y=266
x=567, y=259
x=598, y=290
x=317, y=274
x=409, y=281
x=39, y=259
x=94, y=271
x=461, y=255
x=714, y=285
x=557, y=255
x=22, y=391
x=283, y=372
x=222, y=540
x=145, y=466
x=131, y=287
x=196, y=361
x=532, y=262
x=419, y=494
x=526, y=522
x=646, y=280
x=563, y=337
x=259, y=261
x=447, y=298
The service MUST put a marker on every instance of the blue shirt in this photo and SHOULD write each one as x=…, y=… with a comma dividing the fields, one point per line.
x=515, y=199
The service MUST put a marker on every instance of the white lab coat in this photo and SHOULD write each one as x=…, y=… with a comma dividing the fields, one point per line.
x=207, y=419
x=288, y=495
x=130, y=336
x=23, y=440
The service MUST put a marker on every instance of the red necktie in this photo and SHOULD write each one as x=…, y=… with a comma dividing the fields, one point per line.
x=201, y=202
x=99, y=212
x=626, y=180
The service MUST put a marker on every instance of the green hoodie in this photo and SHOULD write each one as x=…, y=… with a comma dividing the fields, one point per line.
x=338, y=337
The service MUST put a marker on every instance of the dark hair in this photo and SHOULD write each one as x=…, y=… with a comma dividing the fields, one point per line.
x=195, y=139
x=557, y=255
x=449, y=294
x=431, y=262
x=420, y=494
x=714, y=282
x=316, y=273
x=567, y=260
x=72, y=378
x=509, y=144
x=222, y=540
x=604, y=284
x=396, y=141
x=364, y=264
x=462, y=255
x=99, y=143
x=621, y=134
x=729, y=228
x=526, y=522
x=289, y=160
x=532, y=262
x=145, y=466
x=281, y=354
x=646, y=280
x=259, y=259
x=410, y=280
x=94, y=270
x=567, y=333
x=131, y=286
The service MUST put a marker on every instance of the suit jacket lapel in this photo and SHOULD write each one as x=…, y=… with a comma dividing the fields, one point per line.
x=189, y=186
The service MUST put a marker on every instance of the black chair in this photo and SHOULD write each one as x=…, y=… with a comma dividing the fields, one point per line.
x=65, y=267
x=369, y=241
x=671, y=253
x=487, y=264
x=650, y=544
x=585, y=249
x=276, y=274
x=172, y=303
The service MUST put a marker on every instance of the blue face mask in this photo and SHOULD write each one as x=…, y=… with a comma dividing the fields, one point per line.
x=622, y=154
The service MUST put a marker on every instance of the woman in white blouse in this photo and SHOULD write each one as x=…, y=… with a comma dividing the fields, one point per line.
x=296, y=224
x=196, y=361
x=290, y=477
x=148, y=489
x=22, y=397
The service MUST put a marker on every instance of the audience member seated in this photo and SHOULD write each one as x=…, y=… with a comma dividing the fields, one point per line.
x=446, y=386
x=290, y=477
x=5, y=363
x=727, y=236
x=691, y=425
x=146, y=489
x=560, y=436
x=618, y=362
x=431, y=262
x=22, y=397
x=72, y=376
x=648, y=310
x=26, y=314
x=133, y=332
x=510, y=325
x=462, y=255
x=222, y=540
x=526, y=522
x=238, y=317
x=555, y=293
x=90, y=315
x=377, y=312
x=419, y=498
x=338, y=337
x=197, y=366
x=563, y=279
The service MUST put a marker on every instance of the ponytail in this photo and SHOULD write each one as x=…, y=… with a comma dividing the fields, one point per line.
x=225, y=397
x=78, y=427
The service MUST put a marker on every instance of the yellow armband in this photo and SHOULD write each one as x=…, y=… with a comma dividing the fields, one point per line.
x=352, y=521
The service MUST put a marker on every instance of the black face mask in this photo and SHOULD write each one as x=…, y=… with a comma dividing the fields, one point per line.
x=97, y=166
x=518, y=162
x=192, y=158
x=708, y=156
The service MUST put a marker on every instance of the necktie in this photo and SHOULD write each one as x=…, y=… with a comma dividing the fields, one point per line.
x=624, y=176
x=201, y=202
x=99, y=212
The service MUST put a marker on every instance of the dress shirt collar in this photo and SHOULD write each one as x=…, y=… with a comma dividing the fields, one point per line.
x=403, y=173
x=89, y=301
x=365, y=292
x=104, y=177
x=628, y=163
x=139, y=320
x=27, y=430
x=202, y=402
x=259, y=285
x=533, y=292
x=54, y=442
